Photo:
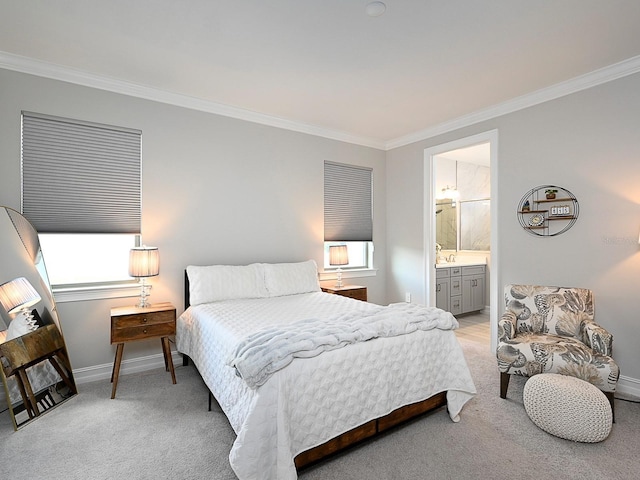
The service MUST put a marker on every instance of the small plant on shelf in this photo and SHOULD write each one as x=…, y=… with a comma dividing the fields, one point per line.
x=550, y=193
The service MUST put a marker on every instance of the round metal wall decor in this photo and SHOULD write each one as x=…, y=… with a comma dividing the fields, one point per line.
x=548, y=210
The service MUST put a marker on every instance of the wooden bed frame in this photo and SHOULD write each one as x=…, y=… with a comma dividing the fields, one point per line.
x=352, y=437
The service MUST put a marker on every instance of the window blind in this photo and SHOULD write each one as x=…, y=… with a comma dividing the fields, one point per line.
x=348, y=205
x=80, y=177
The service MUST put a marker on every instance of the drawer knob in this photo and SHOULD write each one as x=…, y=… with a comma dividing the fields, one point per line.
x=144, y=331
x=144, y=320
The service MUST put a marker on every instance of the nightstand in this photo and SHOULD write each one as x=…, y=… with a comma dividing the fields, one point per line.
x=129, y=324
x=351, y=291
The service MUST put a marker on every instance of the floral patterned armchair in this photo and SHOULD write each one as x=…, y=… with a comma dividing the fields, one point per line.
x=552, y=330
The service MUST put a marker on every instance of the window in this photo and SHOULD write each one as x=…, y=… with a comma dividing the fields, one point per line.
x=359, y=253
x=82, y=259
x=81, y=189
x=348, y=213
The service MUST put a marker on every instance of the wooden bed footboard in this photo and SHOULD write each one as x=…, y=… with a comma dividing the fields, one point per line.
x=369, y=429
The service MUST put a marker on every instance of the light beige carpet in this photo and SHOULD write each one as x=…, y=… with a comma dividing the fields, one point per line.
x=156, y=430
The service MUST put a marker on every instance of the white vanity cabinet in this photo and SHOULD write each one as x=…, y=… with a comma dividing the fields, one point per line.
x=460, y=289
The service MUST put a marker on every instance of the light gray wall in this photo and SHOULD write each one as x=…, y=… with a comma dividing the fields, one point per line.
x=215, y=190
x=588, y=142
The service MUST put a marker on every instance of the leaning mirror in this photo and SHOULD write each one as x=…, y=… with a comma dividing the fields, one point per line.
x=36, y=371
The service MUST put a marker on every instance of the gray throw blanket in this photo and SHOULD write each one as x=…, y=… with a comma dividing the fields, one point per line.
x=265, y=352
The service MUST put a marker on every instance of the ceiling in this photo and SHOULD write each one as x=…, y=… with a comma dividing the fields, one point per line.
x=326, y=66
x=477, y=154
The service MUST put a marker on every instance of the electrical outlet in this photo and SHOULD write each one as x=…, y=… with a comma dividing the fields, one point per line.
x=407, y=297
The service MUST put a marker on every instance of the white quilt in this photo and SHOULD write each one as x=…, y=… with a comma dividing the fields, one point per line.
x=270, y=349
x=314, y=399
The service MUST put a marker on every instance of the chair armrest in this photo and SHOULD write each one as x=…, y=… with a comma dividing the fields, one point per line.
x=507, y=326
x=596, y=337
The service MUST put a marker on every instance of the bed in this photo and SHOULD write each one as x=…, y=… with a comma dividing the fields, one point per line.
x=297, y=406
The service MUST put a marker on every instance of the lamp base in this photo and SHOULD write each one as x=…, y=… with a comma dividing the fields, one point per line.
x=30, y=321
x=144, y=295
x=339, y=279
x=22, y=324
x=143, y=304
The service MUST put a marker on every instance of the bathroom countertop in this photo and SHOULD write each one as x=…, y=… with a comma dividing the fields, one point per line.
x=460, y=263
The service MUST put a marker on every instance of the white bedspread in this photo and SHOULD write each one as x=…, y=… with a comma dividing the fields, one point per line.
x=271, y=349
x=314, y=399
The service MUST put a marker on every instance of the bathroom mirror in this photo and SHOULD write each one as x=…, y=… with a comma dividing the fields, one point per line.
x=463, y=221
x=447, y=224
x=36, y=372
x=475, y=225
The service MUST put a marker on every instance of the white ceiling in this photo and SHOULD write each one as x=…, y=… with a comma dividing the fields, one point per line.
x=478, y=154
x=325, y=64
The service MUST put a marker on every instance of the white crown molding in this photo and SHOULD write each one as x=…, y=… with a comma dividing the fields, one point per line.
x=588, y=80
x=40, y=68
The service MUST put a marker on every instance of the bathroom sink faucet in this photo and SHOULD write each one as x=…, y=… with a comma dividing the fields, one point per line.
x=452, y=258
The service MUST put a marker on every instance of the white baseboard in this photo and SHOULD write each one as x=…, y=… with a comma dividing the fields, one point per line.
x=103, y=372
x=134, y=365
x=628, y=386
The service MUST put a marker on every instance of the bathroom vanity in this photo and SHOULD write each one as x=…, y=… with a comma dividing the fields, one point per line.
x=460, y=288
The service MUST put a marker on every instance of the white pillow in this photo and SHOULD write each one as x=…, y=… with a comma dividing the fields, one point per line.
x=291, y=278
x=225, y=282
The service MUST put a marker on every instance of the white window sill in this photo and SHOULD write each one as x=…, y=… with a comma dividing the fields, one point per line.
x=95, y=292
x=355, y=273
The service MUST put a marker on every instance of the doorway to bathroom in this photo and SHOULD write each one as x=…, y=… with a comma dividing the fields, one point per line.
x=461, y=232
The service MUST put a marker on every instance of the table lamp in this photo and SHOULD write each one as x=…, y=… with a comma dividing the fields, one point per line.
x=144, y=262
x=18, y=296
x=339, y=256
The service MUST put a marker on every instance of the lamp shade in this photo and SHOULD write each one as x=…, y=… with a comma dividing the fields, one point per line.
x=18, y=294
x=144, y=262
x=338, y=255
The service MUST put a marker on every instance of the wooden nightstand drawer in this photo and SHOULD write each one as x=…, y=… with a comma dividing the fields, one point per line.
x=360, y=294
x=142, y=319
x=352, y=291
x=140, y=332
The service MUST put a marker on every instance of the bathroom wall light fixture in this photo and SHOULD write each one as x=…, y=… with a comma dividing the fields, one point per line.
x=450, y=192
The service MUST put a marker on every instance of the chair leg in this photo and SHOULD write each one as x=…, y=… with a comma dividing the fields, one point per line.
x=610, y=396
x=504, y=384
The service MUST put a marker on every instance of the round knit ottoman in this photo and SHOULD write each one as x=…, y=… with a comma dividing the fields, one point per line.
x=568, y=407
